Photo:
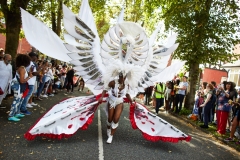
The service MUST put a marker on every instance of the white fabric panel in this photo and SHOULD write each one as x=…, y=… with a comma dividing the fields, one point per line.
x=169, y=72
x=70, y=27
x=72, y=48
x=154, y=35
x=161, y=63
x=71, y=40
x=140, y=63
x=72, y=18
x=76, y=62
x=121, y=16
x=169, y=50
x=141, y=49
x=64, y=119
x=106, y=55
x=108, y=41
x=155, y=126
x=105, y=45
x=170, y=41
x=91, y=88
x=131, y=28
x=118, y=31
x=143, y=55
x=113, y=35
x=143, y=38
x=149, y=83
x=85, y=14
x=43, y=38
x=81, y=68
x=77, y=56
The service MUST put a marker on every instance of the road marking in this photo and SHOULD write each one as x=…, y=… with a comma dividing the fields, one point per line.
x=100, y=140
x=126, y=118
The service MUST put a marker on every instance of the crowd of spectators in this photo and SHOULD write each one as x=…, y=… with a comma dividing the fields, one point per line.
x=34, y=79
x=215, y=104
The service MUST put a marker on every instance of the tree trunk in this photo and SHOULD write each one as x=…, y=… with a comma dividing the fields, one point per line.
x=193, y=81
x=13, y=25
x=59, y=17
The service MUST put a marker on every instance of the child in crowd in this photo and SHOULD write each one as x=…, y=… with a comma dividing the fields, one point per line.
x=200, y=109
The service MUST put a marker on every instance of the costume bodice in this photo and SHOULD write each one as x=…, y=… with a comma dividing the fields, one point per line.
x=116, y=92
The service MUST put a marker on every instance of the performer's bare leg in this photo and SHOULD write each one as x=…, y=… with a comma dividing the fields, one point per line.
x=117, y=113
x=113, y=119
x=110, y=116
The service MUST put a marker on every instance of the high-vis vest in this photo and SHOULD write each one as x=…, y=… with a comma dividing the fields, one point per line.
x=160, y=89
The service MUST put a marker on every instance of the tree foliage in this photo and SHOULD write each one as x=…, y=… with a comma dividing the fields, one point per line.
x=207, y=29
x=207, y=32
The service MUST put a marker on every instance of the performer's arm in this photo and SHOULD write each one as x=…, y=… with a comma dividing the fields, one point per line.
x=129, y=98
x=105, y=91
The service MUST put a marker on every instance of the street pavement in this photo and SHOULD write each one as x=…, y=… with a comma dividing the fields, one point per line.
x=128, y=144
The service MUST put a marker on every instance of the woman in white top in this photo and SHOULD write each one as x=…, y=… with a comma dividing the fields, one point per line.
x=117, y=90
x=19, y=86
x=49, y=80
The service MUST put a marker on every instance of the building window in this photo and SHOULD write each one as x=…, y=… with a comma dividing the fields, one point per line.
x=234, y=76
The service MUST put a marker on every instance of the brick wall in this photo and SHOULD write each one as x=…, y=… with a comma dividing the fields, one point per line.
x=216, y=75
x=23, y=45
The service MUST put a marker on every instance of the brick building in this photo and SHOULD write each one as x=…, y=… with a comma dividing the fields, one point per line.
x=23, y=45
x=212, y=74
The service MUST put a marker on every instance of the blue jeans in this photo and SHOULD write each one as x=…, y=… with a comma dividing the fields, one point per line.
x=17, y=100
x=179, y=100
x=207, y=111
x=25, y=101
x=159, y=103
x=41, y=86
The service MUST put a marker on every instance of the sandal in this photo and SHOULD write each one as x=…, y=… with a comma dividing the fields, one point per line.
x=39, y=99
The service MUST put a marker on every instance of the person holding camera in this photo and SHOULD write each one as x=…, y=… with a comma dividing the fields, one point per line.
x=225, y=93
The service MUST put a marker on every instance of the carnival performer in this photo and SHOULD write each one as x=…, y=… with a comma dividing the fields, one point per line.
x=5, y=75
x=117, y=90
x=122, y=65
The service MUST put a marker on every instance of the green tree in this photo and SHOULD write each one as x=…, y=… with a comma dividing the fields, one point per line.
x=12, y=16
x=52, y=13
x=207, y=33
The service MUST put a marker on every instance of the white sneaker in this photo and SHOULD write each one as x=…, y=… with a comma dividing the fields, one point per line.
x=109, y=140
x=108, y=132
x=33, y=104
x=51, y=95
x=45, y=96
x=29, y=106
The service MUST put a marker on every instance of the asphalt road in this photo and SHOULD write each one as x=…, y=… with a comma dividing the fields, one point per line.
x=128, y=144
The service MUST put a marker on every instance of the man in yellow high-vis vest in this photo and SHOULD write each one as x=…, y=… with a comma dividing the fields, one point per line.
x=159, y=95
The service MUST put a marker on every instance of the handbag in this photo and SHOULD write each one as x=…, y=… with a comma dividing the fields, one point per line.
x=1, y=91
